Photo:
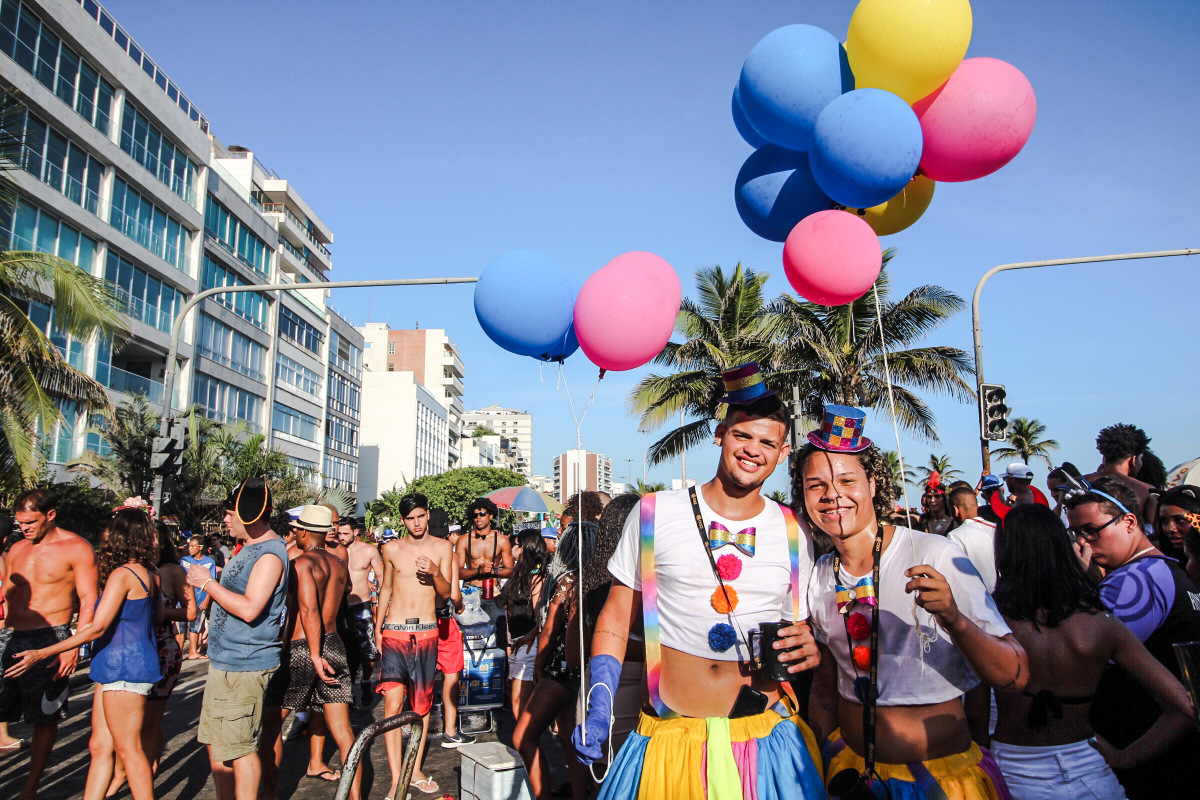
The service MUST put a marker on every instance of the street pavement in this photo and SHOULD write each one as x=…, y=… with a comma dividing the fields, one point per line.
x=185, y=774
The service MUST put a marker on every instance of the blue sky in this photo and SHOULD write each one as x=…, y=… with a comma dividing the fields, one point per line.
x=433, y=136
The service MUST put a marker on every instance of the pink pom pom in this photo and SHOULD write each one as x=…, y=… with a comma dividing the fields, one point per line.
x=729, y=567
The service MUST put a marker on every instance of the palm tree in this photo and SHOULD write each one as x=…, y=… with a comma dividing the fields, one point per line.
x=125, y=468
x=641, y=488
x=1025, y=438
x=728, y=325
x=842, y=351
x=891, y=462
x=780, y=496
x=35, y=378
x=940, y=465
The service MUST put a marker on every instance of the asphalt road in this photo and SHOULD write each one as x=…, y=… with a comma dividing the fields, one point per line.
x=185, y=772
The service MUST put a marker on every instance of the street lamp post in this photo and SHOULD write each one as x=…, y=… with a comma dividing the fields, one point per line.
x=177, y=327
x=977, y=326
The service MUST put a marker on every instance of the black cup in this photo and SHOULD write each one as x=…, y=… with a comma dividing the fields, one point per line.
x=850, y=784
x=769, y=666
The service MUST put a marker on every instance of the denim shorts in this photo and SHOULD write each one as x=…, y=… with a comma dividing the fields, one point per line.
x=1063, y=772
x=127, y=686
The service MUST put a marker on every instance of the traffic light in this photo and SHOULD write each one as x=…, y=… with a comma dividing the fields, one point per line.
x=993, y=413
x=168, y=447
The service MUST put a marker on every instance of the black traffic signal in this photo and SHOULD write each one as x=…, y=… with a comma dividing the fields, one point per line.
x=993, y=413
x=168, y=447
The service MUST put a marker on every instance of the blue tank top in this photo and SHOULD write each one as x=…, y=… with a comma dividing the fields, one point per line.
x=128, y=650
x=238, y=646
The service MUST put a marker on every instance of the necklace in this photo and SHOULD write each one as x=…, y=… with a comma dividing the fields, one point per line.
x=1140, y=553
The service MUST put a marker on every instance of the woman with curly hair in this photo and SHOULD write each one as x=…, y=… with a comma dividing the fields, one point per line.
x=521, y=597
x=125, y=660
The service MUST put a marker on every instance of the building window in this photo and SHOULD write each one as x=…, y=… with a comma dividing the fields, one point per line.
x=341, y=473
x=29, y=228
x=391, y=368
x=296, y=374
x=226, y=403
x=345, y=355
x=344, y=395
x=230, y=348
x=151, y=148
x=291, y=422
x=391, y=348
x=53, y=159
x=341, y=435
x=250, y=306
x=153, y=301
x=298, y=331
x=149, y=226
x=235, y=237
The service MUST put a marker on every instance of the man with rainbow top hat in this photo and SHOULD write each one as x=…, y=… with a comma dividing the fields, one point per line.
x=906, y=627
x=712, y=569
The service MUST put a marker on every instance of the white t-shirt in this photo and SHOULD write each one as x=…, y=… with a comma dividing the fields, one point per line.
x=903, y=680
x=686, y=582
x=977, y=538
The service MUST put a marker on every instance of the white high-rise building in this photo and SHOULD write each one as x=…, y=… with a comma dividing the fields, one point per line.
x=515, y=426
x=581, y=470
x=404, y=433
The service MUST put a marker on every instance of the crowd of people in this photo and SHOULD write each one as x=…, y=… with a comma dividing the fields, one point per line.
x=1004, y=643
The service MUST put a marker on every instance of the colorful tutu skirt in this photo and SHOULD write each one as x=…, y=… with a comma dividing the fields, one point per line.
x=970, y=775
x=768, y=756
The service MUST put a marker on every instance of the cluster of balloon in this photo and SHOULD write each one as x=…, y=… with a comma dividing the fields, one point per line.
x=621, y=317
x=850, y=138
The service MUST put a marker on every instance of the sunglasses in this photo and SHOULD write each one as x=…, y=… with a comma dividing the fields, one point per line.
x=480, y=514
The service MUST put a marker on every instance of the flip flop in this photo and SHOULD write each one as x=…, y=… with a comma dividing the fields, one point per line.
x=17, y=745
x=427, y=786
x=334, y=776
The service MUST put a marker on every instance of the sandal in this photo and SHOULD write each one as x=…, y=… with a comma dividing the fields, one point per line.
x=427, y=785
x=334, y=776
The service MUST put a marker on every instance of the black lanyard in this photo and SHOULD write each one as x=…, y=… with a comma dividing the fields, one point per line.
x=869, y=702
x=713, y=563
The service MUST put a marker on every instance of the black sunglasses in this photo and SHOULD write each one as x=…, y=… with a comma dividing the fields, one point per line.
x=480, y=514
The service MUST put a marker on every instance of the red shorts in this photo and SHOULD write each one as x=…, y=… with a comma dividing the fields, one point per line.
x=408, y=662
x=450, y=647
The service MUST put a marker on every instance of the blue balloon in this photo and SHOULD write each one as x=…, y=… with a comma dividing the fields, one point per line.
x=866, y=147
x=786, y=81
x=525, y=302
x=563, y=350
x=744, y=128
x=775, y=190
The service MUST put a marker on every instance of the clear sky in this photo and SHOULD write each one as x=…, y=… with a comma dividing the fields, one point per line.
x=433, y=136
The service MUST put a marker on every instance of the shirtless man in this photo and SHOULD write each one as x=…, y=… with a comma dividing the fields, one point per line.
x=49, y=571
x=310, y=673
x=1122, y=447
x=485, y=553
x=416, y=575
x=364, y=559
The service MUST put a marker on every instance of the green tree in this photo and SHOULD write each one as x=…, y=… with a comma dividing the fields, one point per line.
x=727, y=326
x=779, y=496
x=841, y=351
x=482, y=430
x=891, y=461
x=939, y=464
x=643, y=488
x=451, y=491
x=1024, y=438
x=129, y=434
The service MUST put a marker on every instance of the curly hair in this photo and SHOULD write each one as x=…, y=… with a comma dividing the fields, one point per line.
x=886, y=490
x=593, y=506
x=168, y=553
x=482, y=504
x=1153, y=471
x=130, y=537
x=1121, y=441
x=1115, y=489
x=529, y=567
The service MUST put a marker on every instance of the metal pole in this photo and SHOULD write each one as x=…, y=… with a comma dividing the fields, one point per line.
x=350, y=767
x=177, y=325
x=977, y=327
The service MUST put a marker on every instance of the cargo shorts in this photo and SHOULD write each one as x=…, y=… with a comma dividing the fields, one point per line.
x=232, y=712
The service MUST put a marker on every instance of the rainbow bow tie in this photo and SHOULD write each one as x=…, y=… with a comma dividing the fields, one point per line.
x=862, y=592
x=719, y=536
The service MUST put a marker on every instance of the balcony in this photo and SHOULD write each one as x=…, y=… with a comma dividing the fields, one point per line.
x=453, y=384
x=53, y=176
x=127, y=382
x=452, y=364
x=301, y=229
x=167, y=251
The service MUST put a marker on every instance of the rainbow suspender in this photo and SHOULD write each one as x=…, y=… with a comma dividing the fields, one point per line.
x=653, y=638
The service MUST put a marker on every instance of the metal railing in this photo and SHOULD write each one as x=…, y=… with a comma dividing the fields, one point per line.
x=281, y=208
x=154, y=242
x=369, y=733
x=54, y=176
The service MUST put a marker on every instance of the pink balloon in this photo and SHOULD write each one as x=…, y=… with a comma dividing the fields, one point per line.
x=832, y=257
x=626, y=311
x=977, y=121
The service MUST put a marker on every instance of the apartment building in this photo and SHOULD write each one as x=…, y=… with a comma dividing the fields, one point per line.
x=581, y=470
x=122, y=175
x=404, y=433
x=515, y=426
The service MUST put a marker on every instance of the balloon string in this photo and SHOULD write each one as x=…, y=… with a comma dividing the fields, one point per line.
x=926, y=639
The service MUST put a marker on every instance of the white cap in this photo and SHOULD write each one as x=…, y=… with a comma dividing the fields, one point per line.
x=1019, y=471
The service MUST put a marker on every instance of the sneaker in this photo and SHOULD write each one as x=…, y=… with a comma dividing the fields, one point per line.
x=452, y=740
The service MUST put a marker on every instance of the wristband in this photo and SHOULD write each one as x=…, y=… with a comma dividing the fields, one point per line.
x=206, y=582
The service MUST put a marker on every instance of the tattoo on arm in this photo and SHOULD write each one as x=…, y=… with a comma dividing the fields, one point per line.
x=1011, y=684
x=615, y=634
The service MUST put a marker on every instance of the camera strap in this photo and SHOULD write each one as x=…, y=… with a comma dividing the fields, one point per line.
x=712, y=562
x=870, y=704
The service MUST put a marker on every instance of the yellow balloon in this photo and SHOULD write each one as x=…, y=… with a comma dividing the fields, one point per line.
x=893, y=216
x=908, y=47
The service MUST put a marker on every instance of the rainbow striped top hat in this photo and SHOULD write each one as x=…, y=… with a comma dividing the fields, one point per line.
x=841, y=432
x=744, y=385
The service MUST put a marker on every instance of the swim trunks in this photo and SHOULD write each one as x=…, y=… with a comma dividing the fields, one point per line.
x=358, y=631
x=450, y=647
x=410, y=661
x=36, y=696
x=296, y=685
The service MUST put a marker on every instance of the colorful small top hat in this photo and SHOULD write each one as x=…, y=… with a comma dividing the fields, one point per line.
x=744, y=385
x=841, y=431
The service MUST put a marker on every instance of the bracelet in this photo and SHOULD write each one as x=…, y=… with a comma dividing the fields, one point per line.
x=206, y=582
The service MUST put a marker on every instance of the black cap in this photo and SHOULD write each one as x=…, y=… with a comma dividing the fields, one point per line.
x=250, y=499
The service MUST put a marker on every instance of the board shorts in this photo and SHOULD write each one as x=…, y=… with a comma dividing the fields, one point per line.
x=296, y=686
x=36, y=696
x=197, y=625
x=768, y=756
x=358, y=635
x=410, y=662
x=170, y=662
x=450, y=647
x=970, y=775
